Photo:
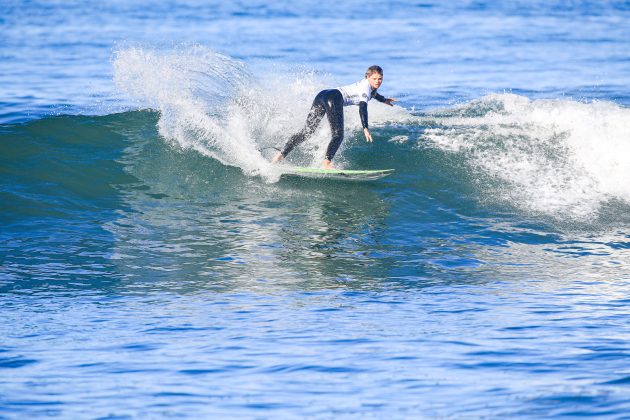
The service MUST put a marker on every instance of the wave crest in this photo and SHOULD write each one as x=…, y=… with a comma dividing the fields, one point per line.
x=558, y=157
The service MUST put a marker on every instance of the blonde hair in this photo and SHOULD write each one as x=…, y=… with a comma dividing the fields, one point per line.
x=373, y=69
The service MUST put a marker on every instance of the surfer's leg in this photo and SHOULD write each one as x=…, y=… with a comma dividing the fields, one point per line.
x=313, y=119
x=334, y=111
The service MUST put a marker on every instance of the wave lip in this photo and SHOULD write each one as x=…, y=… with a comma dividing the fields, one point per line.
x=558, y=157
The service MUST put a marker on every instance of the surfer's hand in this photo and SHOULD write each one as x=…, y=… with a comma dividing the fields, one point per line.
x=368, y=136
x=389, y=101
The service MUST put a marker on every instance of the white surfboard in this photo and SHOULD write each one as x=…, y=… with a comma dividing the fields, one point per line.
x=346, y=174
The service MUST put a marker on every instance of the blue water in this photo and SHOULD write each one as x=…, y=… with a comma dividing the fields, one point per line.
x=154, y=264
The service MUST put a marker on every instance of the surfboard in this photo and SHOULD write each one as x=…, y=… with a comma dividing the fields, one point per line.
x=346, y=174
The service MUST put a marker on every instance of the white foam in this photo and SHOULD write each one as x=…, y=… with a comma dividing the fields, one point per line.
x=559, y=157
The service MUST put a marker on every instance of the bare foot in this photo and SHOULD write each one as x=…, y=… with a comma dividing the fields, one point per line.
x=277, y=158
x=327, y=164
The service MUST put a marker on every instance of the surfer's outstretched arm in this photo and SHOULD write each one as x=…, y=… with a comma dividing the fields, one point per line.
x=385, y=100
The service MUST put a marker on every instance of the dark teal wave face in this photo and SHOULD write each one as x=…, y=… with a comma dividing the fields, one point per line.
x=126, y=258
x=61, y=183
x=97, y=200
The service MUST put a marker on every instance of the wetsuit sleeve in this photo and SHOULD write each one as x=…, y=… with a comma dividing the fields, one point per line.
x=380, y=97
x=363, y=114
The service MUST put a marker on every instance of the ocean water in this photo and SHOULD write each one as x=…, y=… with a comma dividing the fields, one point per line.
x=154, y=264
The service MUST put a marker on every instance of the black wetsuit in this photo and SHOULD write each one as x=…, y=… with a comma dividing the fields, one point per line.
x=329, y=102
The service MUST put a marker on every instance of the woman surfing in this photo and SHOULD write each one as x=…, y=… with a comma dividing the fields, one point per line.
x=330, y=102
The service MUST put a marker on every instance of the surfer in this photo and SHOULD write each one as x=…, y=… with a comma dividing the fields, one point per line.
x=330, y=102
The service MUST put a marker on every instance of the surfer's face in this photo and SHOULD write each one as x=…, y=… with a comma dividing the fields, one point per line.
x=375, y=79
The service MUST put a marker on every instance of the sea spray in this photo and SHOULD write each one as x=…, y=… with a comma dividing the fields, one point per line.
x=194, y=89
